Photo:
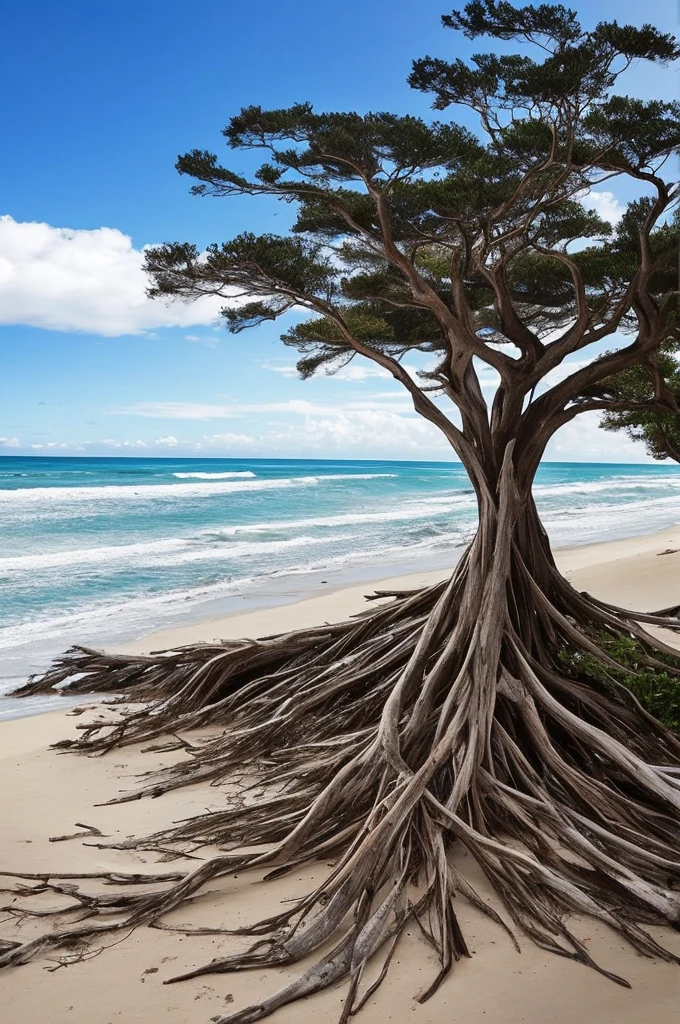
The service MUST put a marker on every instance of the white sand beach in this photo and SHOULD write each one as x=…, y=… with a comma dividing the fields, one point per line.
x=44, y=794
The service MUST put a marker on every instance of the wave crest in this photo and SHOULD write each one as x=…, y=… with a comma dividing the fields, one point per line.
x=213, y=476
x=36, y=495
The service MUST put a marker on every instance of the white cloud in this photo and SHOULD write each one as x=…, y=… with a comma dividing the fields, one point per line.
x=605, y=205
x=563, y=371
x=508, y=348
x=383, y=422
x=10, y=442
x=366, y=431
x=226, y=440
x=113, y=443
x=83, y=280
x=356, y=371
x=359, y=433
x=582, y=440
x=383, y=425
x=81, y=446
x=234, y=410
x=58, y=444
x=285, y=369
x=489, y=378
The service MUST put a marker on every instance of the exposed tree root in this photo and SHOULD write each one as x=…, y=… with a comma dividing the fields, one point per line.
x=461, y=714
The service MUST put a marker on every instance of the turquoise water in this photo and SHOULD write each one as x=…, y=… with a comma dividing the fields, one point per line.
x=97, y=551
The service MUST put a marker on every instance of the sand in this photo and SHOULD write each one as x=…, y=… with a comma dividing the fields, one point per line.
x=44, y=794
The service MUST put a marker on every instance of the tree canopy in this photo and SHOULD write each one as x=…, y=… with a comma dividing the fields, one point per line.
x=639, y=404
x=415, y=235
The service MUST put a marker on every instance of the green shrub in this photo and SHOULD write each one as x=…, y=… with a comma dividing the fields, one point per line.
x=657, y=691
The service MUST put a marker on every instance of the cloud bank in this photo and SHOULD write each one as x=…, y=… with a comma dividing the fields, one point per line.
x=90, y=281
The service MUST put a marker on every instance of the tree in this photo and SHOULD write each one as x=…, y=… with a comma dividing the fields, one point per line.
x=645, y=418
x=488, y=711
x=644, y=399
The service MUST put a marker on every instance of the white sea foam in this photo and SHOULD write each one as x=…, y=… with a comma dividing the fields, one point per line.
x=212, y=476
x=145, y=492
x=69, y=557
x=424, y=509
x=245, y=540
x=248, y=473
x=356, y=476
x=114, y=619
x=169, y=552
x=601, y=519
x=619, y=483
x=242, y=541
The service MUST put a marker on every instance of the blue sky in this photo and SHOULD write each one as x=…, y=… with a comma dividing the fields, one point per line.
x=99, y=100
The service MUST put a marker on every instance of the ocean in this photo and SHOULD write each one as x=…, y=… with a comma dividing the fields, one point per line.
x=99, y=550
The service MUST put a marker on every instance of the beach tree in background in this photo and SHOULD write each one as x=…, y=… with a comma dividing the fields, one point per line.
x=632, y=395
x=491, y=713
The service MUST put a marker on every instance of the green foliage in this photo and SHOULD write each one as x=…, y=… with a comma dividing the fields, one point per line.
x=631, y=131
x=657, y=691
x=411, y=234
x=645, y=398
x=646, y=419
x=505, y=21
x=280, y=269
x=579, y=64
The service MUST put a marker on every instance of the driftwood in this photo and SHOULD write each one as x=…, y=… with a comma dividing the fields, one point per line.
x=86, y=831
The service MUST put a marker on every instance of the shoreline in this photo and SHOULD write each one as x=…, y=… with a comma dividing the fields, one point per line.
x=605, y=567
x=632, y=572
